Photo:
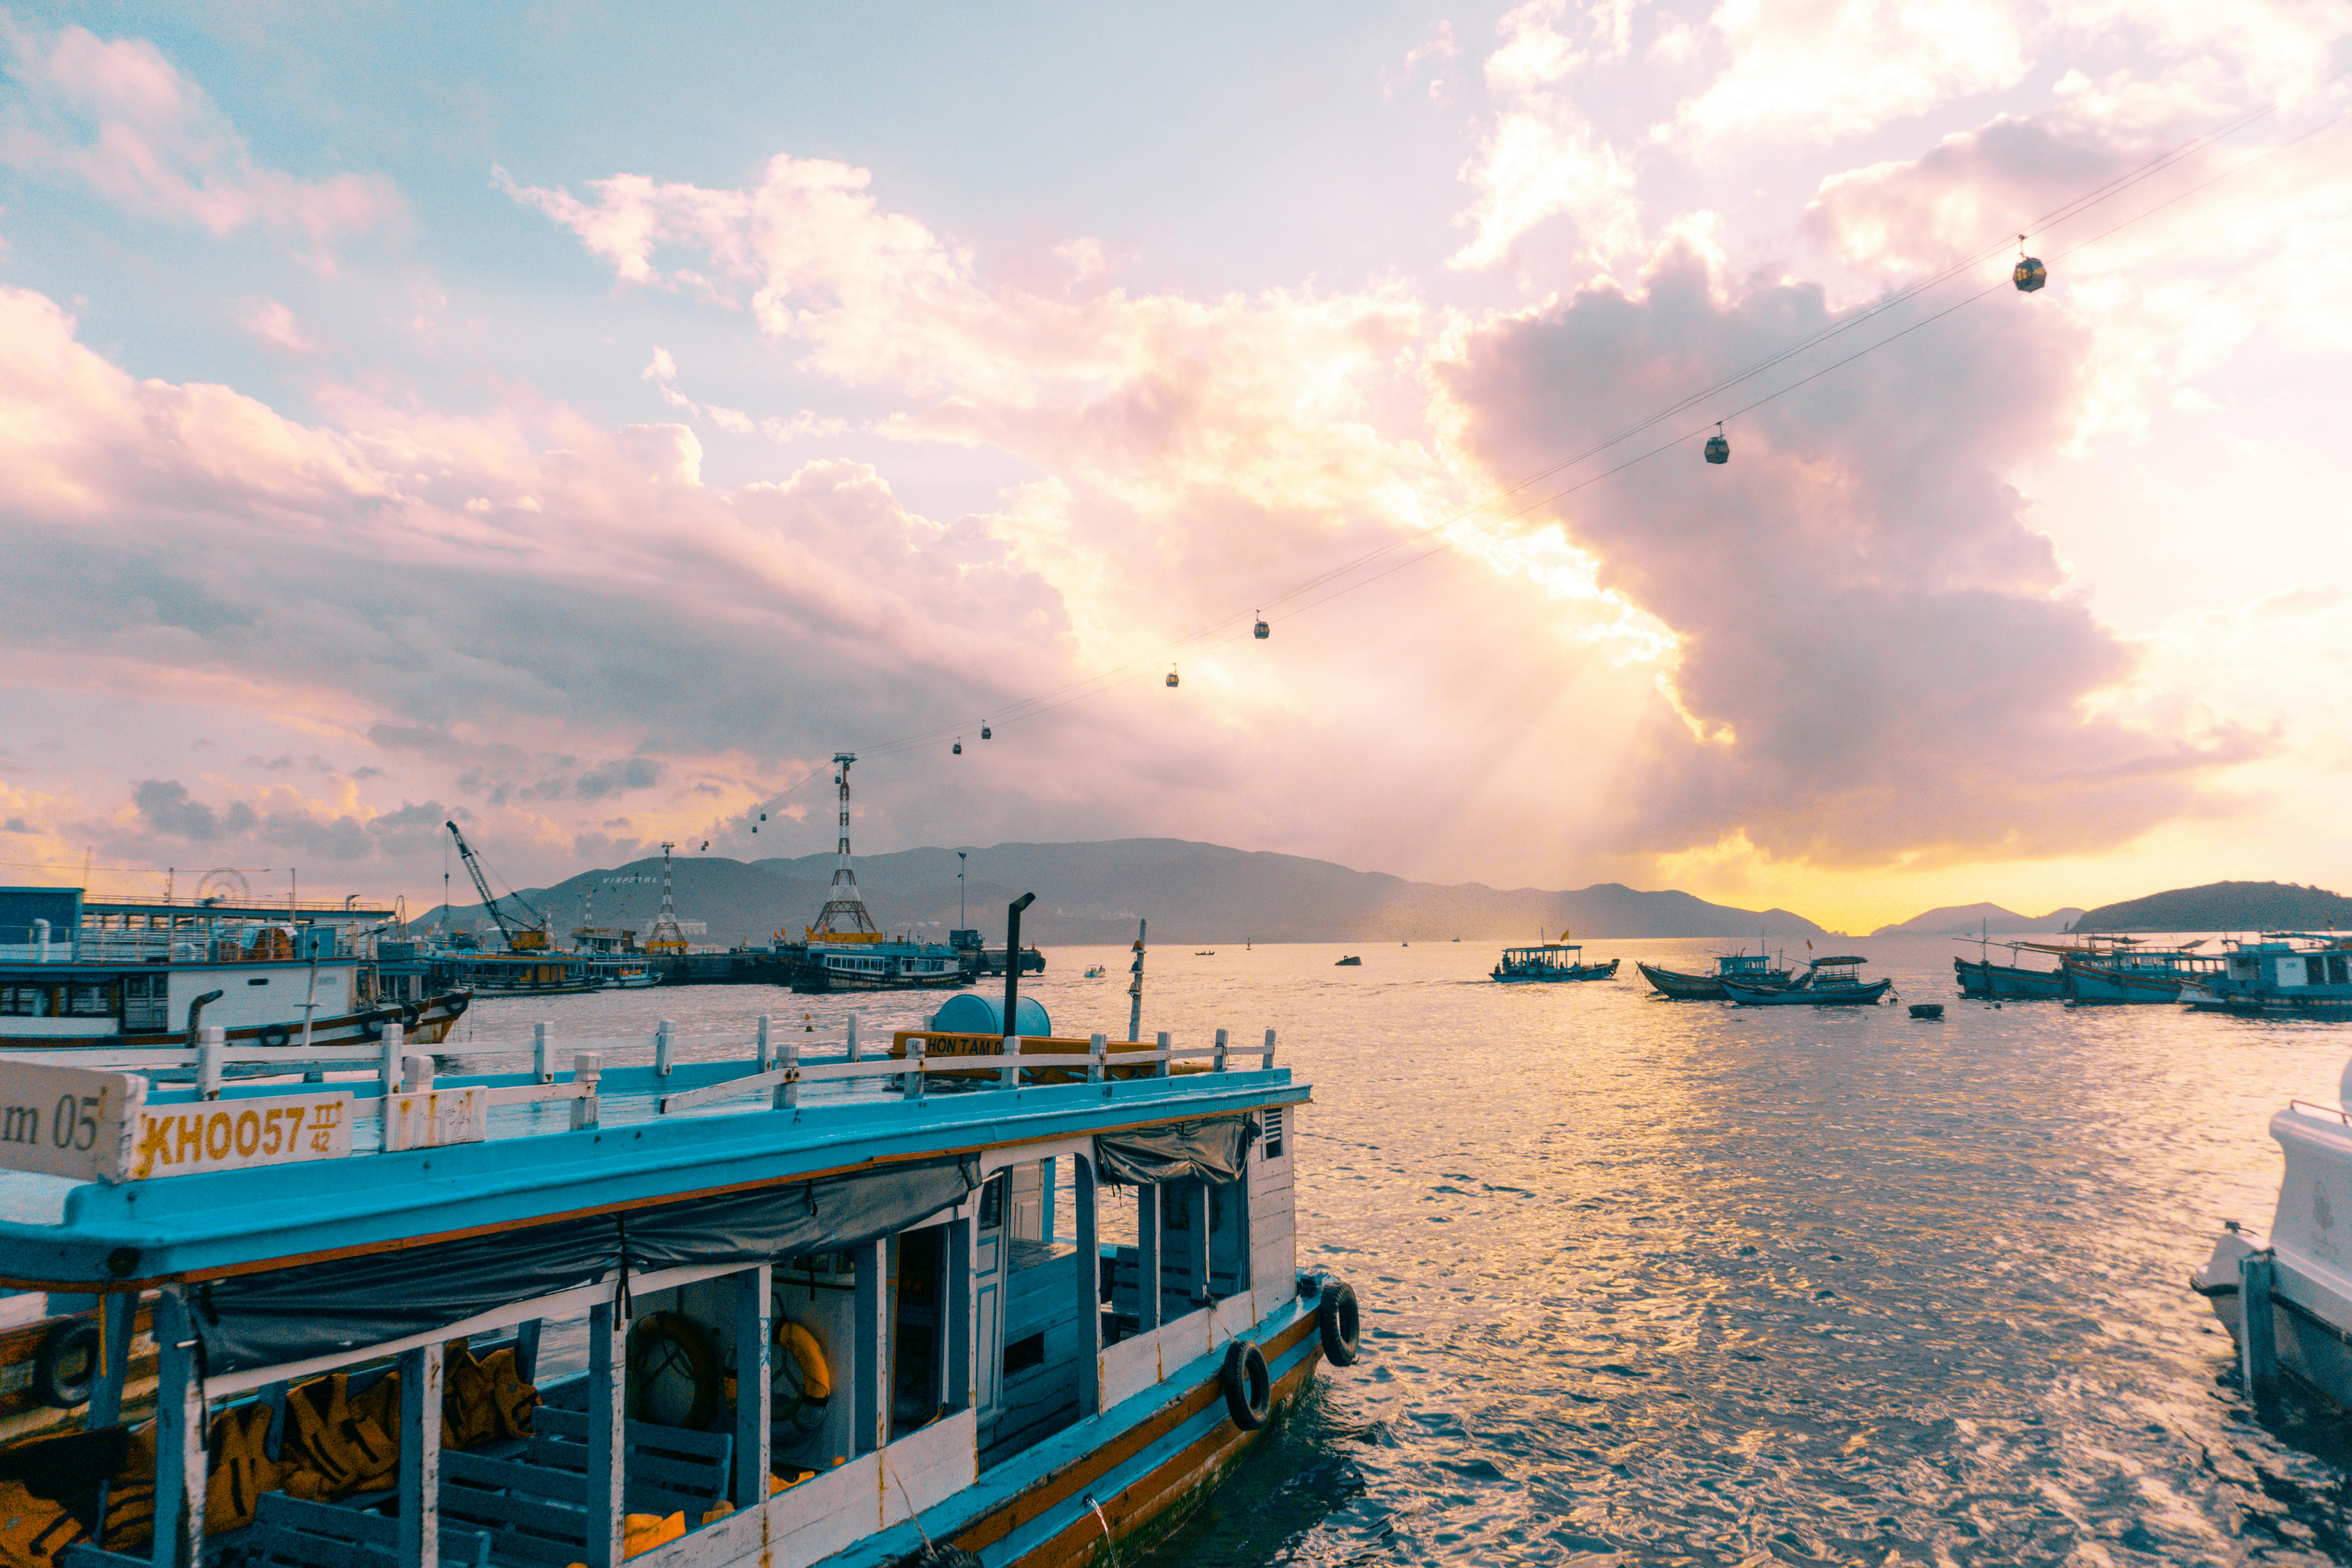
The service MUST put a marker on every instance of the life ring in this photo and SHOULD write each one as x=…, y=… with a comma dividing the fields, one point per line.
x=1335, y=1318
x=1249, y=1385
x=65, y=1365
x=799, y=1378
x=665, y=1344
x=276, y=1034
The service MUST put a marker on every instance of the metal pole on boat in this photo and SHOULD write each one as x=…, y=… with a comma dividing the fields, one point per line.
x=1013, y=960
x=2257, y=1324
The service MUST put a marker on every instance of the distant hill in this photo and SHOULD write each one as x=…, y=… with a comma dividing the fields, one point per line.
x=2226, y=906
x=1095, y=892
x=1968, y=919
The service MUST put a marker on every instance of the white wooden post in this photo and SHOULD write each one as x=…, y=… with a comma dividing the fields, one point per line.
x=608, y=1355
x=392, y=1053
x=788, y=1093
x=419, y=1481
x=1217, y=1063
x=915, y=1068
x=1266, y=1062
x=179, y=1439
x=415, y=1074
x=870, y=1400
x=587, y=1068
x=2257, y=1325
x=539, y=1054
x=763, y=1057
x=661, y=1050
x=211, y=1041
x=856, y=1052
x=1160, y=1068
x=752, y=1287
x=1096, y=1050
x=1009, y=1076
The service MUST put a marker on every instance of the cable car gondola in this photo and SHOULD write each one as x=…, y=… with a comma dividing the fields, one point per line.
x=1262, y=631
x=1719, y=450
x=985, y=731
x=1172, y=678
x=958, y=751
x=2030, y=274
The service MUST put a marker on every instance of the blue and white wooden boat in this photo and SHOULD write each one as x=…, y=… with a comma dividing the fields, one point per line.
x=1828, y=983
x=793, y=1306
x=2285, y=975
x=1551, y=960
x=2140, y=974
x=1748, y=968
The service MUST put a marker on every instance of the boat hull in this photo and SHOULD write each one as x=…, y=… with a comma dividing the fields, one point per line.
x=1810, y=995
x=1541, y=976
x=1682, y=987
x=2008, y=982
x=425, y=1023
x=2094, y=983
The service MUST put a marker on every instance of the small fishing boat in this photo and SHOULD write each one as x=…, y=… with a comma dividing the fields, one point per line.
x=781, y=1304
x=1828, y=983
x=1549, y=961
x=1350, y=962
x=1748, y=968
x=2275, y=977
x=1095, y=971
x=2010, y=982
x=2141, y=975
x=2295, y=1280
x=1930, y=1010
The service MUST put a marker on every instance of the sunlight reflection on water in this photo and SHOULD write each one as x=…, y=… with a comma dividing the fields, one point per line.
x=1674, y=1281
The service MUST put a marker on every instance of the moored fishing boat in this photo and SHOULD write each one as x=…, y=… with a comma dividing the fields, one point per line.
x=78, y=973
x=2287, y=1298
x=2285, y=975
x=2012, y=982
x=1828, y=983
x=2139, y=974
x=1748, y=968
x=1551, y=960
x=787, y=1308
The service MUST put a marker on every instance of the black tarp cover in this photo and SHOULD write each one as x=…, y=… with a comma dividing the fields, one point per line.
x=1211, y=1149
x=293, y=1314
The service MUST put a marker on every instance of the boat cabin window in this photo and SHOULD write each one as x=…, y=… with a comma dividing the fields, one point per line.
x=25, y=1001
x=89, y=1001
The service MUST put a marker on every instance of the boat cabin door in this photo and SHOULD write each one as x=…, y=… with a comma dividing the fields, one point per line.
x=988, y=1298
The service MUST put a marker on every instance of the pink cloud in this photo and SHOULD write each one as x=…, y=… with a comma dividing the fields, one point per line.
x=273, y=321
x=120, y=119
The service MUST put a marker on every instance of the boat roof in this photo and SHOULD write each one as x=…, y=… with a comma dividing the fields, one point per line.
x=663, y=1132
x=1823, y=962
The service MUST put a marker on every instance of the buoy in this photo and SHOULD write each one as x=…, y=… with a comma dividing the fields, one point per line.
x=2030, y=274
x=1719, y=450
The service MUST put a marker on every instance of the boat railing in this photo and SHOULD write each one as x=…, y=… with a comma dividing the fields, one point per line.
x=418, y=1107
x=2316, y=1108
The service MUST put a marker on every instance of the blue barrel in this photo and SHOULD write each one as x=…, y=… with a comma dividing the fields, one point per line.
x=973, y=1015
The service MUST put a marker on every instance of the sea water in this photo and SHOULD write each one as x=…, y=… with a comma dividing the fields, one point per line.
x=1651, y=1282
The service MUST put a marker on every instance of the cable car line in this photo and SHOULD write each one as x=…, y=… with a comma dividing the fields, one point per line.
x=1125, y=673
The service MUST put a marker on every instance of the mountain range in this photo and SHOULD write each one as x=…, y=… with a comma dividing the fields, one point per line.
x=1096, y=892
x=2227, y=906
x=1968, y=919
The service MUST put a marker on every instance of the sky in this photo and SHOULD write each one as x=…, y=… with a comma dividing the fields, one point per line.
x=582, y=421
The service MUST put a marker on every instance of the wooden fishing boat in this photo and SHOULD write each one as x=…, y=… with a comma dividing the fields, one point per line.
x=1551, y=960
x=1754, y=969
x=781, y=1304
x=1829, y=983
x=2285, y=975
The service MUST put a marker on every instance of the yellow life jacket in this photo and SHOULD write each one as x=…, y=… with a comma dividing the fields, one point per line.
x=130, y=1496
x=641, y=1533
x=241, y=1467
x=33, y=1529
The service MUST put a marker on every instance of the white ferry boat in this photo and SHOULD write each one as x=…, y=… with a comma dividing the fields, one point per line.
x=77, y=972
x=1011, y=1299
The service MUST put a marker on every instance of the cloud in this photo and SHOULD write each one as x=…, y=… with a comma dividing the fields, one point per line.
x=618, y=777
x=16, y=824
x=1877, y=653
x=169, y=809
x=273, y=322
x=1439, y=46
x=117, y=117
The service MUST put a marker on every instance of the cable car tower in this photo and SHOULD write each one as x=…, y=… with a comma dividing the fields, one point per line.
x=844, y=917
x=667, y=935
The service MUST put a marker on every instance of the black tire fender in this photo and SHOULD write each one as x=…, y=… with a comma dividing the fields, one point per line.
x=1335, y=1320
x=275, y=1036
x=66, y=1366
x=409, y=1013
x=373, y=1025
x=1248, y=1384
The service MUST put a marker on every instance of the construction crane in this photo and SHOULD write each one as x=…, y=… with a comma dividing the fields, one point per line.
x=521, y=936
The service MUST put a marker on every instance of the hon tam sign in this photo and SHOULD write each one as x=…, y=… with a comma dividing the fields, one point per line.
x=97, y=1127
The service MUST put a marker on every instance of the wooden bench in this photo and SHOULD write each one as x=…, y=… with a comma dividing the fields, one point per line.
x=287, y=1529
x=535, y=1505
